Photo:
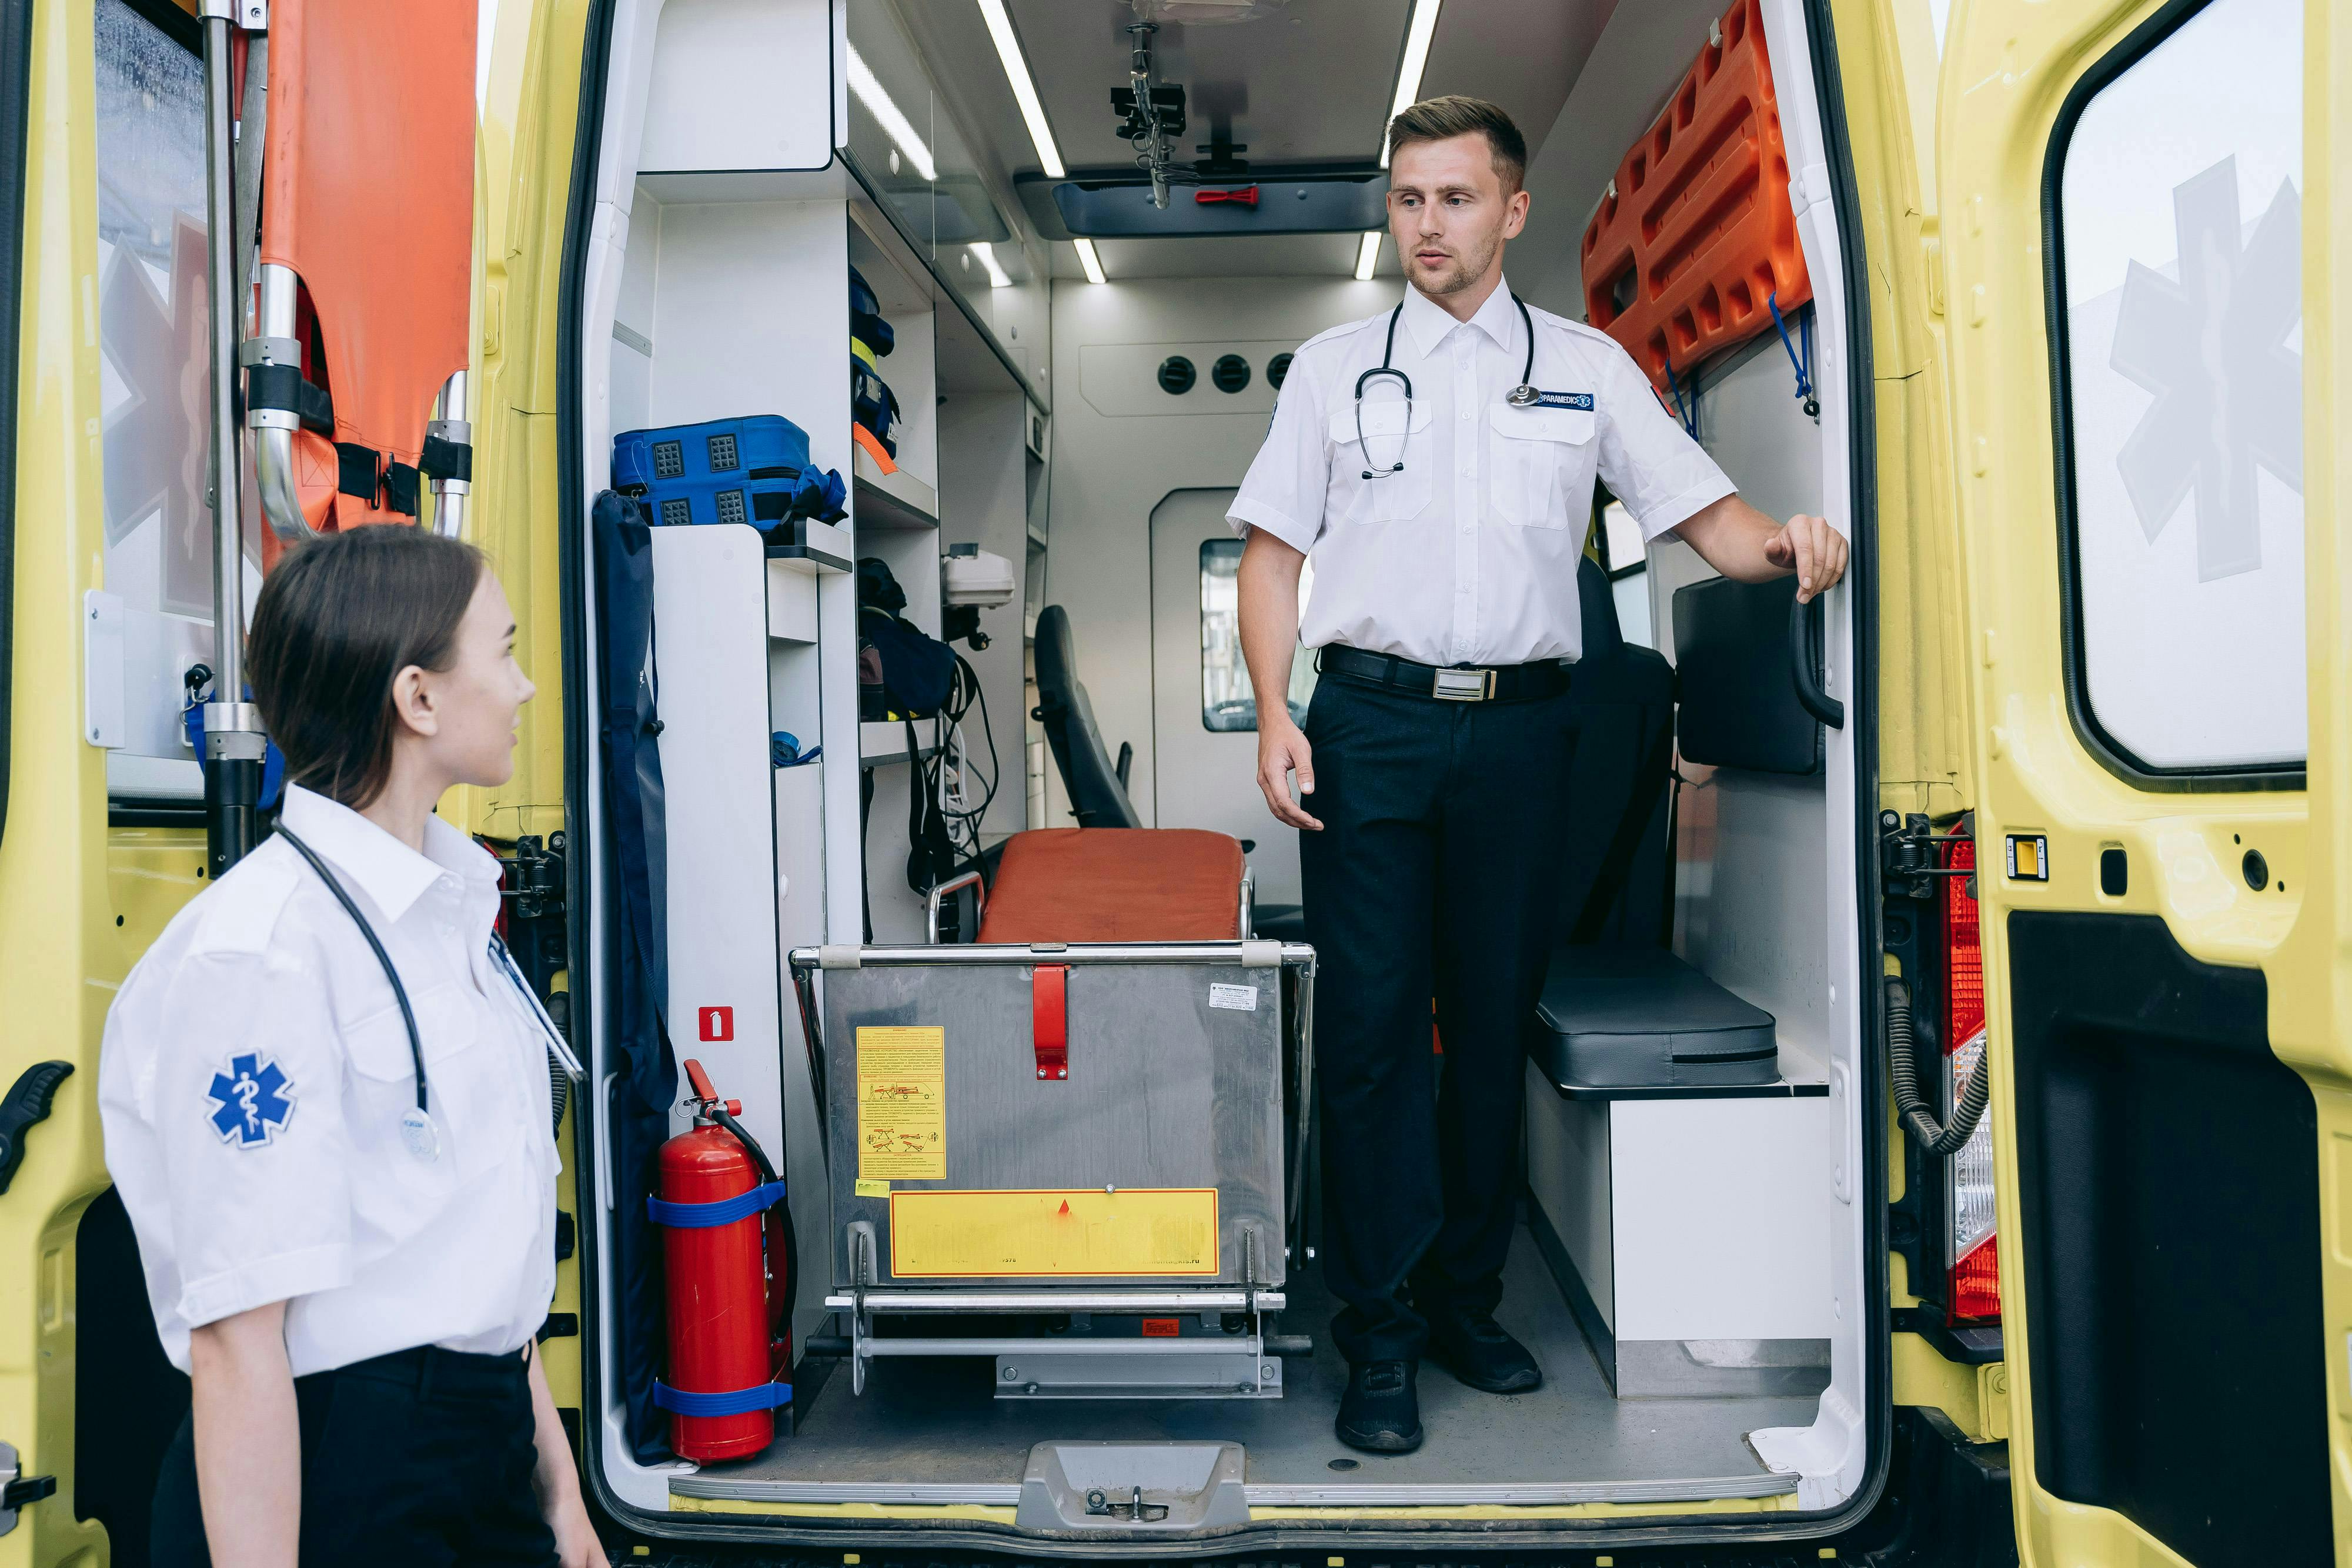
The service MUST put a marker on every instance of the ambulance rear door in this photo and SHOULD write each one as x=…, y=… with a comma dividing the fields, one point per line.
x=2144, y=309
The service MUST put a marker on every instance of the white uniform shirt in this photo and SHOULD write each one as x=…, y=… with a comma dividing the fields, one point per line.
x=251, y=1085
x=1468, y=556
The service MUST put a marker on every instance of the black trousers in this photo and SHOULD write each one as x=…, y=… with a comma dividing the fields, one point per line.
x=420, y=1458
x=1434, y=875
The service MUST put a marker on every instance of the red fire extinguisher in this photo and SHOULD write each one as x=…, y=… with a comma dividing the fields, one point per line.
x=727, y=1253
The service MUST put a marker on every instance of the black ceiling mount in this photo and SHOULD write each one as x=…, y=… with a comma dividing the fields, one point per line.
x=1117, y=204
x=1220, y=163
x=1176, y=375
x=1230, y=373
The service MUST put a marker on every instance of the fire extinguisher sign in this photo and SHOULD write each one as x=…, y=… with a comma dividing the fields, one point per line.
x=718, y=1024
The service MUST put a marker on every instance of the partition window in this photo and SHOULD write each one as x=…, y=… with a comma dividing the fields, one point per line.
x=2173, y=205
x=1228, y=701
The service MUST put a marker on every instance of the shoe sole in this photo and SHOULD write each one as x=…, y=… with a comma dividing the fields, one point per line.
x=1380, y=1442
x=1520, y=1383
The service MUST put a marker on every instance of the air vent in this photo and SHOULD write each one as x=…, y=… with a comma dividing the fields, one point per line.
x=1276, y=369
x=722, y=453
x=670, y=460
x=1176, y=375
x=1230, y=373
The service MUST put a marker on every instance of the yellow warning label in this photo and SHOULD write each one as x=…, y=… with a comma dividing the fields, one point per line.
x=902, y=1104
x=1082, y=1232
x=873, y=1188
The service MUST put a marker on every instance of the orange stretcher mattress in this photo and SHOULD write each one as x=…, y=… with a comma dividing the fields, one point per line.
x=1116, y=884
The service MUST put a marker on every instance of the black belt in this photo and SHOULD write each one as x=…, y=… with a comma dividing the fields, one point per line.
x=1460, y=683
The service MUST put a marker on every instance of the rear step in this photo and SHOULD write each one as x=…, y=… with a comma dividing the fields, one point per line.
x=1154, y=1489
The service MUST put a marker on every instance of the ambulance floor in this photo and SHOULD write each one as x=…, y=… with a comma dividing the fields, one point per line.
x=935, y=1422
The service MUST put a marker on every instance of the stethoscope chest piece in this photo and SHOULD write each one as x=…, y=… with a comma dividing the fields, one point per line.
x=1522, y=396
x=417, y=1133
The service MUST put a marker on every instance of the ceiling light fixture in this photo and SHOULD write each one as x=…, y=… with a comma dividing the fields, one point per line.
x=1092, y=263
x=1368, y=255
x=894, y=124
x=1025, y=91
x=1416, y=60
x=987, y=255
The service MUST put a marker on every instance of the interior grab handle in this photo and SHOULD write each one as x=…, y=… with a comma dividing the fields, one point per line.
x=1803, y=663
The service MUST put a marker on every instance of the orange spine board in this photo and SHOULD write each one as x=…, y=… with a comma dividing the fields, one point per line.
x=1696, y=236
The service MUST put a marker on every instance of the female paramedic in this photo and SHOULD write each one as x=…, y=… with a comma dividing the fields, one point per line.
x=327, y=1107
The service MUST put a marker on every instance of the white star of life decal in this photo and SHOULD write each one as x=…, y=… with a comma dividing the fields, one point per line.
x=2211, y=347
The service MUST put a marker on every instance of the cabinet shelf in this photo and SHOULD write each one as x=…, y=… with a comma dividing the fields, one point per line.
x=884, y=741
x=897, y=500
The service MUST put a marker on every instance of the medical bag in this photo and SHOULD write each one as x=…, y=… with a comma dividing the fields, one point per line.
x=754, y=469
x=903, y=672
x=872, y=403
x=866, y=323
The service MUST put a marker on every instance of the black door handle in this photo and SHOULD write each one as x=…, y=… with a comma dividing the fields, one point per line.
x=1803, y=661
x=29, y=1101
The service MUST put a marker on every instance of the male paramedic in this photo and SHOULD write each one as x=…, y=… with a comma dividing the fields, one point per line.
x=1438, y=460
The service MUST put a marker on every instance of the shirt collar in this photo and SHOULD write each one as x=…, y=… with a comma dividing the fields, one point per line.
x=1429, y=323
x=393, y=875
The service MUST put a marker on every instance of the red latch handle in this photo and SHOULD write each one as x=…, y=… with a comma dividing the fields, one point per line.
x=1049, y=1020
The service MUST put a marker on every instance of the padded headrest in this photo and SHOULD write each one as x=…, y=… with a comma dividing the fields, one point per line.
x=1740, y=706
x=1097, y=796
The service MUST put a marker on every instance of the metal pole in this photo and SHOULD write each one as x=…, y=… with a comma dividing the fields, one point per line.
x=234, y=743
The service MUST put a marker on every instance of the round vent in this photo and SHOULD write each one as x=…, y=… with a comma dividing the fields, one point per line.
x=1230, y=373
x=1176, y=375
x=1276, y=369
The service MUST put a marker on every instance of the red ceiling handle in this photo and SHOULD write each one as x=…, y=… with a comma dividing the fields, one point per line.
x=1246, y=196
x=1049, y=1021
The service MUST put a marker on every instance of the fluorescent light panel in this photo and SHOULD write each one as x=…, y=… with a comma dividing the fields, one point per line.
x=1368, y=255
x=1092, y=262
x=986, y=253
x=1025, y=91
x=894, y=124
x=1416, y=61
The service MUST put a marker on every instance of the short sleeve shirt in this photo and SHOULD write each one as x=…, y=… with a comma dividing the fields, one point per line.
x=251, y=1084
x=1467, y=553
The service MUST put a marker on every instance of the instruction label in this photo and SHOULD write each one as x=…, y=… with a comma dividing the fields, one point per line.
x=1066, y=1231
x=902, y=1104
x=1238, y=999
x=873, y=1188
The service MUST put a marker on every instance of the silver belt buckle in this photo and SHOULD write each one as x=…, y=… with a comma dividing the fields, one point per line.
x=1464, y=685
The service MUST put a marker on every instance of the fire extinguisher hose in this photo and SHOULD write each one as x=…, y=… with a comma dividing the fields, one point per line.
x=780, y=1235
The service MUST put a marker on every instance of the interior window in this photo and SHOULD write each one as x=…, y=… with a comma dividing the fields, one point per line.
x=1227, y=703
x=1628, y=563
x=2180, y=217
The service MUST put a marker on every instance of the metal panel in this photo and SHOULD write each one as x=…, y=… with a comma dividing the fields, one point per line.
x=1164, y=1090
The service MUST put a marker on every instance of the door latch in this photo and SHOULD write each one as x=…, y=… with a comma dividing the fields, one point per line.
x=1132, y=1508
x=19, y=1490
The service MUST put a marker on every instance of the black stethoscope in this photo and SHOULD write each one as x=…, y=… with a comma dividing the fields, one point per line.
x=1521, y=396
x=417, y=1128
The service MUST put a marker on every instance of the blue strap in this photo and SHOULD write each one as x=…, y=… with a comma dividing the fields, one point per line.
x=726, y=1212
x=1689, y=416
x=1804, y=366
x=734, y=1402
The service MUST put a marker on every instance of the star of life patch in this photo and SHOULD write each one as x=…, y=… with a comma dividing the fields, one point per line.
x=253, y=1101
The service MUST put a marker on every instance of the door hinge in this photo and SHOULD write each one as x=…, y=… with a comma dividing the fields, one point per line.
x=534, y=875
x=1908, y=848
x=18, y=1490
x=28, y=1102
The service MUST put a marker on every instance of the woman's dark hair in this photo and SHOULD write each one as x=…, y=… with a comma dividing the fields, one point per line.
x=337, y=617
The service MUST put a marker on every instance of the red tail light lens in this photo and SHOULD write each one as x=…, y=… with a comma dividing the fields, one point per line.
x=1974, y=1292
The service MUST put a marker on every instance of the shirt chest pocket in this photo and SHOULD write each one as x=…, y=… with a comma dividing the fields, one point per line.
x=467, y=1097
x=1535, y=455
x=1366, y=485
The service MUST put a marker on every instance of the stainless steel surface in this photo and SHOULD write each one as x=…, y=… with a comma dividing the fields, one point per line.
x=273, y=429
x=1698, y=1369
x=1133, y=1488
x=1164, y=1090
x=1221, y=1372
x=1019, y=1345
x=752, y=1491
x=449, y=422
x=228, y=538
x=252, y=135
x=948, y=889
x=1066, y=1301
x=1258, y=955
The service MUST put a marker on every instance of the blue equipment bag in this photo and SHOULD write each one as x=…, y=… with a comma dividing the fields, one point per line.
x=753, y=470
x=872, y=403
x=866, y=323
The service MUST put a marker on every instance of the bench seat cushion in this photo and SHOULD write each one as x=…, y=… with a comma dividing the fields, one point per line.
x=1116, y=884
x=1622, y=1016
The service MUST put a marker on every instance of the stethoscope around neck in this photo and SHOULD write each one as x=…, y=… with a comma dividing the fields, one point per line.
x=1521, y=396
x=416, y=1126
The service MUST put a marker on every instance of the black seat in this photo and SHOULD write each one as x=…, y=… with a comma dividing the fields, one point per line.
x=1098, y=789
x=1619, y=1010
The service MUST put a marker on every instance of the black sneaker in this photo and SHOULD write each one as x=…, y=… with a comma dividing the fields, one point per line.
x=1379, y=1412
x=1473, y=1346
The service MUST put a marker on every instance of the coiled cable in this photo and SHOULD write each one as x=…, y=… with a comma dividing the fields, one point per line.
x=1936, y=1138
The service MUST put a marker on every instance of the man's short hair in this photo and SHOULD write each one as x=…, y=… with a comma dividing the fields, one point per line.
x=1442, y=119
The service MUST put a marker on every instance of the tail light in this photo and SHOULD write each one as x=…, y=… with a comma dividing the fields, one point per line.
x=1974, y=1292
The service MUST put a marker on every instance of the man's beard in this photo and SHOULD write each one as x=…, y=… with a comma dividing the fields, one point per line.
x=1466, y=270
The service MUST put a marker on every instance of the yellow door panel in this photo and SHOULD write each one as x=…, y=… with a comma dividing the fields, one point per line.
x=2143, y=332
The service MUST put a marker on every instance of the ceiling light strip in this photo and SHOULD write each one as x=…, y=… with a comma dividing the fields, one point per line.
x=985, y=253
x=1416, y=61
x=1092, y=263
x=1024, y=90
x=886, y=110
x=1368, y=255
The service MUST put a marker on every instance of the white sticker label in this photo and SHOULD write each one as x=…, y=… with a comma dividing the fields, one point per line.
x=1240, y=999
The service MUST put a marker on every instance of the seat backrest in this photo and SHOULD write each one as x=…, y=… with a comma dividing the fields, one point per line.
x=1098, y=798
x=1740, y=706
x=1615, y=873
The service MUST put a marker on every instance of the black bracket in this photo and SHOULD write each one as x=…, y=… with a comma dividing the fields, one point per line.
x=28, y=1102
x=534, y=877
x=1907, y=854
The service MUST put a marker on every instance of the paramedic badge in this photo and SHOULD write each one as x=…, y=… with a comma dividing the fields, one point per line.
x=255, y=1098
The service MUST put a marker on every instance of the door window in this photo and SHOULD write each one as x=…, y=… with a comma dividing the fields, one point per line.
x=2177, y=226
x=1227, y=703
